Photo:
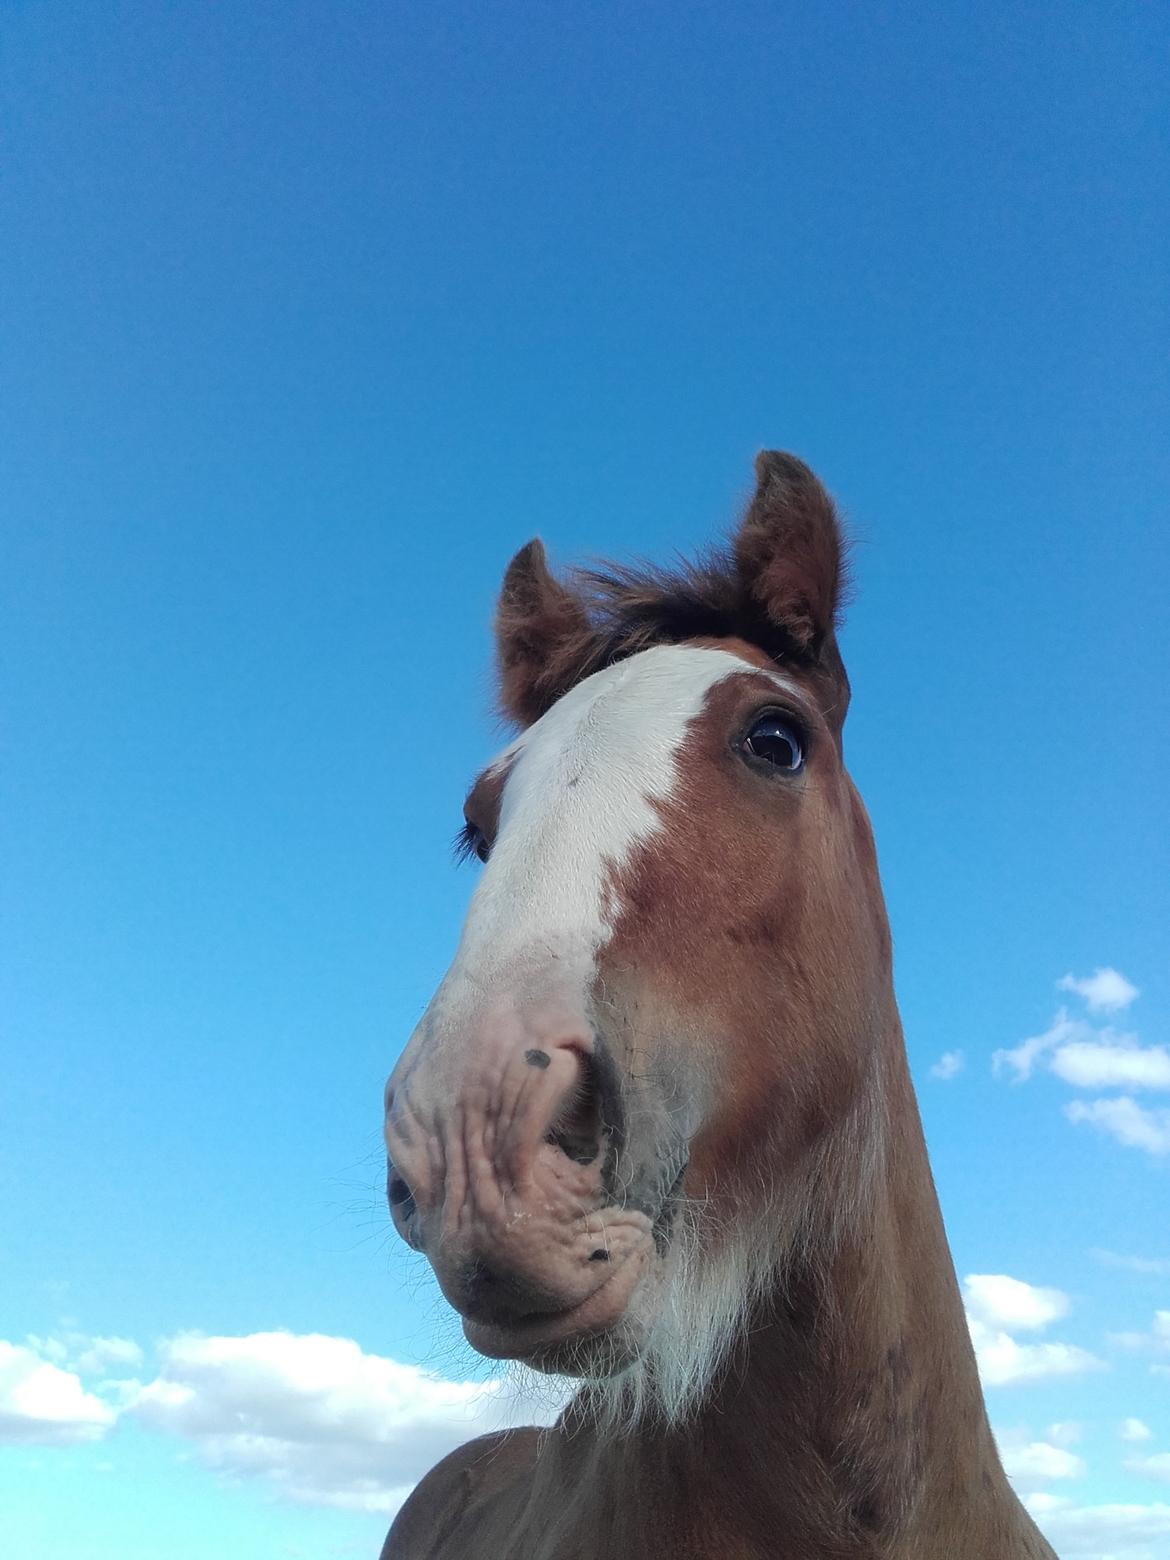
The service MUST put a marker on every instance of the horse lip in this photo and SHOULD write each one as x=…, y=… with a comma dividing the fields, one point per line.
x=484, y=1289
x=526, y=1336
x=517, y=1338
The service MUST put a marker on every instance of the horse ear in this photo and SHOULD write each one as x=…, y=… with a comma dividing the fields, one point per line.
x=542, y=631
x=789, y=553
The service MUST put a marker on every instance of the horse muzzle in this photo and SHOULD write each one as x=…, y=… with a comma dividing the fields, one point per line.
x=509, y=1168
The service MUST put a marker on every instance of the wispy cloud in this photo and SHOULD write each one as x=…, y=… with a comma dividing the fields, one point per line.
x=1156, y=1341
x=1155, y=1467
x=948, y=1066
x=1113, y=1259
x=1135, y=1430
x=1019, y=1062
x=87, y=1354
x=1133, y=1125
x=1088, y=1056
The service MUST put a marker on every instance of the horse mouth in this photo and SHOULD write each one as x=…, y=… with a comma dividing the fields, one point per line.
x=595, y=1333
x=573, y=1339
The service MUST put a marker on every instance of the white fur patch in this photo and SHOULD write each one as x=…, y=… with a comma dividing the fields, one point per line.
x=576, y=803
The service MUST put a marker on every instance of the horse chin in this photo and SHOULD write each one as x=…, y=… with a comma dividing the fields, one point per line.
x=592, y=1356
x=599, y=1336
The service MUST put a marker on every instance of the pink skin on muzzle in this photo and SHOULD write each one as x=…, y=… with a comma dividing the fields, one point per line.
x=498, y=1159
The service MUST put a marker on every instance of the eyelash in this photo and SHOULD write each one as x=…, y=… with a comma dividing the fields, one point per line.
x=470, y=842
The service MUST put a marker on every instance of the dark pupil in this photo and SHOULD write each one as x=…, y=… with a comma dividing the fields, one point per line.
x=775, y=742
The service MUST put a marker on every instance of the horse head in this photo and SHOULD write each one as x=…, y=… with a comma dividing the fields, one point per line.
x=653, y=1070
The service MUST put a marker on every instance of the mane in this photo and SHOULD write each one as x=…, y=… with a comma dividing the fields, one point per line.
x=634, y=606
x=608, y=612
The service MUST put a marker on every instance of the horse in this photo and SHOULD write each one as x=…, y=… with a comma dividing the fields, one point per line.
x=656, y=1129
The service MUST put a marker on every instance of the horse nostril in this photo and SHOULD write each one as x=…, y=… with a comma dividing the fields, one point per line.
x=401, y=1197
x=578, y=1129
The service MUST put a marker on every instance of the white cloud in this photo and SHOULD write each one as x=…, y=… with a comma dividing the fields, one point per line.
x=948, y=1066
x=1088, y=1057
x=997, y=1307
x=1093, y=1064
x=41, y=1403
x=1105, y=1532
x=321, y=1420
x=1022, y=1059
x=1131, y=1124
x=1004, y=1362
x=1135, y=1430
x=315, y=1417
x=1155, y=1467
x=1065, y=1433
x=1036, y=1462
x=1012, y=1304
x=1104, y=991
x=1043, y=1502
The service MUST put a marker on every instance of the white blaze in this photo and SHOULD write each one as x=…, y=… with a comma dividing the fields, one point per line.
x=576, y=804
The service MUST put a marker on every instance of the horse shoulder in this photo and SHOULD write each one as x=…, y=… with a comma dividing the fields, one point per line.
x=452, y=1501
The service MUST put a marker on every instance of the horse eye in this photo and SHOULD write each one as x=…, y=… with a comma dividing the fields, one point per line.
x=776, y=742
x=472, y=841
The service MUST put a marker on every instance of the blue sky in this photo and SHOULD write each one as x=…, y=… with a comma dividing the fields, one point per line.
x=311, y=315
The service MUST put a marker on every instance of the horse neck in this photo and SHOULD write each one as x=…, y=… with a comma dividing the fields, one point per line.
x=850, y=1419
